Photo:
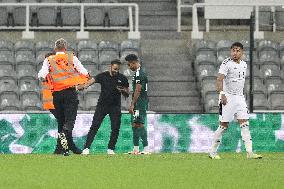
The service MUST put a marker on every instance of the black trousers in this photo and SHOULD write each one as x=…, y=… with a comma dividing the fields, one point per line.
x=66, y=106
x=115, y=118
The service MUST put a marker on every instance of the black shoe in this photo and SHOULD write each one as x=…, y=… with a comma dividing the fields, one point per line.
x=58, y=150
x=66, y=153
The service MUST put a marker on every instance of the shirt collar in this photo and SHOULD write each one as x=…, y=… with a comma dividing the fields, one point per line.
x=60, y=52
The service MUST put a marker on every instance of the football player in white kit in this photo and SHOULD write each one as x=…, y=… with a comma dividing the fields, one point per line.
x=230, y=85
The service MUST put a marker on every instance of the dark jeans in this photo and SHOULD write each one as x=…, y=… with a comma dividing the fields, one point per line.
x=66, y=106
x=115, y=118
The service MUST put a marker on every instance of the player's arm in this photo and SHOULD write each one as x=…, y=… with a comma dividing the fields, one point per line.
x=135, y=97
x=219, y=86
x=87, y=84
x=124, y=91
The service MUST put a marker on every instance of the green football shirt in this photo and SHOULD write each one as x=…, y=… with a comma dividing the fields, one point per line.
x=140, y=77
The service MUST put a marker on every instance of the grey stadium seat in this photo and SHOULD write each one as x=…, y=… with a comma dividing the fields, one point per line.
x=224, y=45
x=9, y=100
x=258, y=86
x=94, y=15
x=70, y=15
x=81, y=99
x=281, y=49
x=260, y=101
x=30, y=100
x=269, y=58
x=91, y=99
x=40, y=56
x=7, y=72
x=89, y=57
x=94, y=88
x=7, y=61
x=265, y=18
x=6, y=45
x=3, y=16
x=107, y=52
x=274, y=84
x=28, y=84
x=25, y=58
x=279, y=15
x=44, y=46
x=72, y=47
x=208, y=85
x=270, y=70
x=8, y=84
x=206, y=46
x=118, y=16
x=47, y=15
x=211, y=102
x=19, y=13
x=129, y=47
x=87, y=45
x=204, y=70
x=276, y=100
x=92, y=69
x=24, y=45
x=24, y=70
x=205, y=59
x=267, y=45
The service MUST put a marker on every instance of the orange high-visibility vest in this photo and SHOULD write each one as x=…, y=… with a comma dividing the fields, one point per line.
x=63, y=73
x=47, y=98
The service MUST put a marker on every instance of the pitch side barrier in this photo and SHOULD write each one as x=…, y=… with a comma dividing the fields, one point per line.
x=191, y=133
x=81, y=34
x=196, y=34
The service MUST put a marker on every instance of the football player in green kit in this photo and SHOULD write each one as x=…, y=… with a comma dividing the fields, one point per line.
x=139, y=104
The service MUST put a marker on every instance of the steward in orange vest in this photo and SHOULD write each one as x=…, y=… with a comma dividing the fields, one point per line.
x=47, y=90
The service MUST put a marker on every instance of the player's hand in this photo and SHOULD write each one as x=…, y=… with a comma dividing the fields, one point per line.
x=223, y=99
x=119, y=88
x=131, y=109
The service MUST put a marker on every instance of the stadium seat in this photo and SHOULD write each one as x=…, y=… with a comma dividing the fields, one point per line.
x=270, y=70
x=28, y=83
x=30, y=100
x=47, y=16
x=24, y=45
x=205, y=46
x=94, y=88
x=92, y=69
x=258, y=86
x=281, y=49
x=129, y=47
x=208, y=84
x=107, y=52
x=24, y=70
x=224, y=45
x=40, y=56
x=8, y=84
x=94, y=15
x=7, y=72
x=276, y=100
x=7, y=61
x=72, y=47
x=205, y=59
x=6, y=45
x=87, y=45
x=267, y=45
x=268, y=57
x=265, y=18
x=279, y=14
x=204, y=70
x=89, y=57
x=260, y=101
x=274, y=84
x=118, y=16
x=9, y=101
x=70, y=15
x=44, y=46
x=3, y=16
x=25, y=58
x=91, y=99
x=19, y=13
x=211, y=102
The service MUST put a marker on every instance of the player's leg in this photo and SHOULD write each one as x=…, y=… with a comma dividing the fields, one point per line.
x=115, y=118
x=226, y=115
x=98, y=117
x=141, y=120
x=58, y=148
x=71, y=103
x=243, y=117
x=135, y=130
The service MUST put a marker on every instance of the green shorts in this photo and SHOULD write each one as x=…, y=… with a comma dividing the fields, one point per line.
x=139, y=116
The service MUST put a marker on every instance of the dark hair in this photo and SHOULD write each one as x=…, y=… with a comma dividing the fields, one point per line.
x=237, y=44
x=131, y=57
x=115, y=61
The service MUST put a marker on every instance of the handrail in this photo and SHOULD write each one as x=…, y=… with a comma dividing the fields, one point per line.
x=133, y=31
x=196, y=34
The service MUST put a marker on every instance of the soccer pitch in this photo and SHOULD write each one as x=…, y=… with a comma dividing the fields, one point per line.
x=182, y=170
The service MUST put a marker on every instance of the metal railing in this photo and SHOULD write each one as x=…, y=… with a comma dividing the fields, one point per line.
x=196, y=34
x=133, y=25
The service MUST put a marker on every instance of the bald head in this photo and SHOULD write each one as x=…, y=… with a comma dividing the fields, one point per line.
x=60, y=44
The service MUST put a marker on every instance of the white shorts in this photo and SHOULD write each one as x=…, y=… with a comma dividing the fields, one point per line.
x=236, y=107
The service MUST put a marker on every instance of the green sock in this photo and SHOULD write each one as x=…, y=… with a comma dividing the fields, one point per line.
x=135, y=136
x=143, y=135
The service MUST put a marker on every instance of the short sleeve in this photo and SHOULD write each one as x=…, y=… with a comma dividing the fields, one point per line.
x=224, y=68
x=99, y=78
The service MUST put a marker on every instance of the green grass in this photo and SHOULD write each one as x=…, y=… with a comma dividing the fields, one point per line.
x=147, y=171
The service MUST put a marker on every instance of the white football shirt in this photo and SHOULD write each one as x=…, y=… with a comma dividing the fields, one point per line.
x=235, y=75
